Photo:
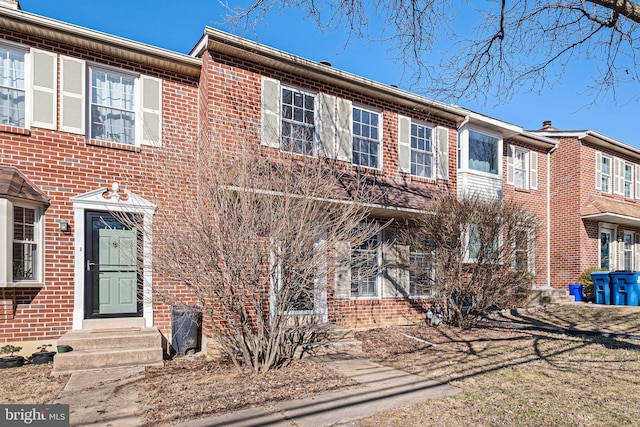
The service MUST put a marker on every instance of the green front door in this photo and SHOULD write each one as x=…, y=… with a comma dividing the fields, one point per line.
x=112, y=274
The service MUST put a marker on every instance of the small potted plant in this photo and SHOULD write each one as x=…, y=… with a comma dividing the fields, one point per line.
x=10, y=361
x=42, y=356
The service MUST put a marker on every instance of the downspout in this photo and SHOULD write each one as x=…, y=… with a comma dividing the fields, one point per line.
x=549, y=215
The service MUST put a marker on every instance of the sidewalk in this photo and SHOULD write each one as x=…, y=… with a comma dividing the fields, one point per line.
x=109, y=397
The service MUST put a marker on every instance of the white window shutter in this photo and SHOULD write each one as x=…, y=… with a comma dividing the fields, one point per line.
x=327, y=125
x=270, y=112
x=637, y=167
x=343, y=270
x=151, y=111
x=45, y=88
x=344, y=130
x=533, y=170
x=404, y=144
x=510, y=164
x=598, y=171
x=72, y=92
x=618, y=173
x=443, y=152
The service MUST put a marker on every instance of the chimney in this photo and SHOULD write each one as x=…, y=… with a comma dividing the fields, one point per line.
x=546, y=125
x=13, y=4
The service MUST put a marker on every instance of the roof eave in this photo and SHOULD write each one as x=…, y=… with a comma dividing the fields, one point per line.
x=96, y=41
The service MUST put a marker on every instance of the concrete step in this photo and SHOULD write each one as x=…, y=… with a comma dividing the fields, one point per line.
x=547, y=296
x=64, y=363
x=116, y=322
x=102, y=348
x=116, y=338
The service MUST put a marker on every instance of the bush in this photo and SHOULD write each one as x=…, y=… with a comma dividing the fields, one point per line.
x=587, y=283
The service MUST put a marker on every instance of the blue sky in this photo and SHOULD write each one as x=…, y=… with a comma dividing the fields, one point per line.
x=178, y=25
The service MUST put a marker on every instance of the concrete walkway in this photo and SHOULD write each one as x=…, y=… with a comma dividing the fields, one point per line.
x=110, y=397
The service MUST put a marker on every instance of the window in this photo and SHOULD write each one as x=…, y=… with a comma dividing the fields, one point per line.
x=520, y=168
x=298, y=122
x=25, y=247
x=366, y=138
x=421, y=274
x=628, y=251
x=12, y=87
x=296, y=278
x=113, y=107
x=628, y=180
x=365, y=260
x=422, y=157
x=522, y=249
x=483, y=153
x=603, y=173
x=482, y=245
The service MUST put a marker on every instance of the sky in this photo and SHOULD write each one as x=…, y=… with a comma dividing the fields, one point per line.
x=178, y=25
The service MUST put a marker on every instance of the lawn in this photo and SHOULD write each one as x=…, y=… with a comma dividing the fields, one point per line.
x=520, y=378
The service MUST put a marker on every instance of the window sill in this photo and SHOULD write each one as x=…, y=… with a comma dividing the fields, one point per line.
x=523, y=190
x=15, y=130
x=24, y=284
x=366, y=170
x=114, y=145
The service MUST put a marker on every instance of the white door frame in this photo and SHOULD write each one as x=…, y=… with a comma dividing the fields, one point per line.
x=110, y=200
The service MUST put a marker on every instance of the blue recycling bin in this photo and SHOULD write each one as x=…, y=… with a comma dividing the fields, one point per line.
x=575, y=290
x=625, y=287
x=601, y=287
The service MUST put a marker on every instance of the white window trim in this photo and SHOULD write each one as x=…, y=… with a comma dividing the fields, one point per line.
x=6, y=240
x=600, y=174
x=380, y=133
x=631, y=251
x=631, y=181
x=379, y=271
x=316, y=111
x=463, y=151
x=527, y=167
x=137, y=93
x=433, y=147
x=28, y=89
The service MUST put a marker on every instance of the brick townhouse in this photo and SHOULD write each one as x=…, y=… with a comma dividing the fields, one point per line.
x=595, y=203
x=86, y=116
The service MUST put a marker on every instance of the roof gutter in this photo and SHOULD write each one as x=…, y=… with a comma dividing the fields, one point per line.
x=95, y=41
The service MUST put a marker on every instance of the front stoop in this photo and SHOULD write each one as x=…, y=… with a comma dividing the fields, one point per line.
x=108, y=345
x=549, y=296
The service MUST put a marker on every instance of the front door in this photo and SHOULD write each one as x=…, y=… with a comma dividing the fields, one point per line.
x=112, y=282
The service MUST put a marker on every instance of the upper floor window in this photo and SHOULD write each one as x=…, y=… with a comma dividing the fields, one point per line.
x=298, y=122
x=628, y=180
x=25, y=246
x=603, y=173
x=12, y=87
x=522, y=167
x=113, y=107
x=483, y=153
x=422, y=151
x=366, y=138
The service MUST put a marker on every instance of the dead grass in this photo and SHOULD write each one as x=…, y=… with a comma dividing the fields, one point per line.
x=509, y=377
x=31, y=384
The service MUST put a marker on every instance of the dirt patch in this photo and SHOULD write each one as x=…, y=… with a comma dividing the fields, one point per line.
x=30, y=384
x=189, y=388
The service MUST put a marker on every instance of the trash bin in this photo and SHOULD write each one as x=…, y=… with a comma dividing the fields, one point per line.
x=601, y=287
x=185, y=326
x=625, y=289
x=575, y=290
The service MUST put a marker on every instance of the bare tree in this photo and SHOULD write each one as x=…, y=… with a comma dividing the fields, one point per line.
x=252, y=238
x=493, y=48
x=481, y=253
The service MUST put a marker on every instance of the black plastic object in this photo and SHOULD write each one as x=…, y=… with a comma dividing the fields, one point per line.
x=42, y=357
x=185, y=327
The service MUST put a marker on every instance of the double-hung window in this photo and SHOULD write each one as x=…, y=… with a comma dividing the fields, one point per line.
x=627, y=251
x=521, y=168
x=603, y=173
x=366, y=138
x=421, y=274
x=298, y=122
x=628, y=180
x=113, y=106
x=422, y=152
x=365, y=261
x=25, y=243
x=12, y=87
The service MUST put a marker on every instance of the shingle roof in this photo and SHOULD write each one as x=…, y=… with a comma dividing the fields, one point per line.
x=601, y=206
x=14, y=183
